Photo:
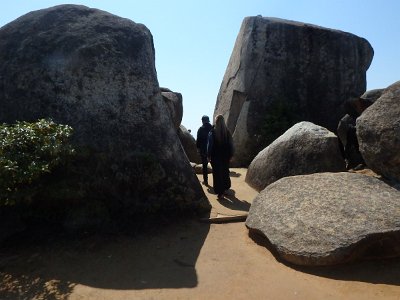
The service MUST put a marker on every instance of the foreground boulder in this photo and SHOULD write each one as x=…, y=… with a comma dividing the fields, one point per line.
x=378, y=132
x=260, y=99
x=328, y=218
x=304, y=149
x=189, y=144
x=96, y=72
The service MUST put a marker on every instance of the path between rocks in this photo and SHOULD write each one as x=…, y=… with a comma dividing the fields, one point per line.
x=186, y=260
x=236, y=201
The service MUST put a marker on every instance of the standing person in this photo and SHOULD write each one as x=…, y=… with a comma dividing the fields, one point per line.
x=201, y=143
x=220, y=152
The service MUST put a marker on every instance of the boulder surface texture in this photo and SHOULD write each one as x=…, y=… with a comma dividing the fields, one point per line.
x=305, y=148
x=175, y=106
x=328, y=218
x=189, y=145
x=378, y=132
x=96, y=72
x=282, y=72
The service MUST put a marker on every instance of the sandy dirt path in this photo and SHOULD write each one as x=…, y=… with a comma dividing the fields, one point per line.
x=186, y=260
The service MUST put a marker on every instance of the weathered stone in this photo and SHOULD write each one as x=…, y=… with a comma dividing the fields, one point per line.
x=95, y=71
x=378, y=132
x=175, y=107
x=164, y=89
x=189, y=144
x=303, y=149
x=346, y=132
x=372, y=95
x=261, y=99
x=328, y=218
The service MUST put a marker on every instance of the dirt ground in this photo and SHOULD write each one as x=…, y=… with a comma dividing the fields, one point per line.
x=186, y=260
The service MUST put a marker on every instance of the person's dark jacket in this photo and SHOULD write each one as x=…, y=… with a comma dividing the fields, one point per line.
x=202, y=138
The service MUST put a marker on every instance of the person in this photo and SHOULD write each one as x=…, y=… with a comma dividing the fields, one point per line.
x=220, y=152
x=346, y=132
x=201, y=144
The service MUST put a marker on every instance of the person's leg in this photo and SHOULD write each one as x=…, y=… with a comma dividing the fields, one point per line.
x=217, y=178
x=226, y=177
x=204, y=162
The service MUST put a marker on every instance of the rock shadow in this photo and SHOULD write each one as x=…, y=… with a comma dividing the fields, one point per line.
x=164, y=257
x=230, y=201
x=379, y=271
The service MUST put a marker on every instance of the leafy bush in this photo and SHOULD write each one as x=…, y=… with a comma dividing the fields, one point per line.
x=27, y=152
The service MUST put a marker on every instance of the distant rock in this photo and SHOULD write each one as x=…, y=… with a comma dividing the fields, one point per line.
x=378, y=132
x=260, y=100
x=199, y=168
x=164, y=89
x=372, y=95
x=303, y=149
x=328, y=218
x=175, y=106
x=96, y=72
x=347, y=135
x=189, y=144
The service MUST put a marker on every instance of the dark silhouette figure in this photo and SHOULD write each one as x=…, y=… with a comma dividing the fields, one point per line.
x=220, y=152
x=201, y=143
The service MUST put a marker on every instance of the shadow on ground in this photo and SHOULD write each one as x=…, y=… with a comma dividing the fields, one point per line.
x=49, y=269
x=381, y=271
x=230, y=201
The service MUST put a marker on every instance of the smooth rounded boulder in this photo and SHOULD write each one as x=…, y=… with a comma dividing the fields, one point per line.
x=96, y=72
x=378, y=133
x=303, y=149
x=328, y=218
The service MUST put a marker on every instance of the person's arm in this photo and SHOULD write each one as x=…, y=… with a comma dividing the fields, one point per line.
x=210, y=144
x=198, y=139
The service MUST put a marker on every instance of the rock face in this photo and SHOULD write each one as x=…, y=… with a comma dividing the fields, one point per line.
x=303, y=149
x=189, y=144
x=96, y=72
x=378, y=132
x=328, y=218
x=372, y=95
x=346, y=132
x=175, y=107
x=260, y=99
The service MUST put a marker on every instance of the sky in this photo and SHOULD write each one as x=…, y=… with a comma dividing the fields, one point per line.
x=194, y=39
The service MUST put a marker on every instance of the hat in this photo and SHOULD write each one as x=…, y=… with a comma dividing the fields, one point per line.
x=205, y=118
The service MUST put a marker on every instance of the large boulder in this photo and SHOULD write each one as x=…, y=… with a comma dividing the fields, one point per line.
x=328, y=218
x=96, y=72
x=303, y=149
x=261, y=99
x=378, y=132
x=189, y=144
x=174, y=104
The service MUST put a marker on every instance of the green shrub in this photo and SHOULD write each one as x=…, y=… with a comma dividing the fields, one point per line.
x=27, y=152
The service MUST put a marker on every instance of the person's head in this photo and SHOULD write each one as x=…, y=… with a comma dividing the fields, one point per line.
x=205, y=119
x=221, y=131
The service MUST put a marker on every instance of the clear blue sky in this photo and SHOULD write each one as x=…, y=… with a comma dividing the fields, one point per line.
x=194, y=39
